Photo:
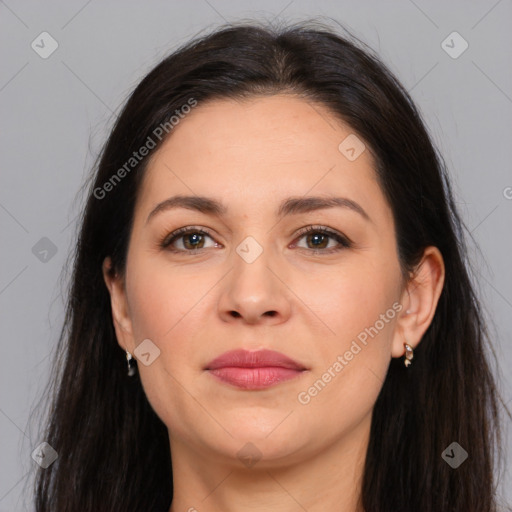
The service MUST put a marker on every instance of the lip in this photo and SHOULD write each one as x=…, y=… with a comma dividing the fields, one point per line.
x=254, y=369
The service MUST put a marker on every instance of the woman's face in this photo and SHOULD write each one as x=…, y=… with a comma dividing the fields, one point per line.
x=256, y=281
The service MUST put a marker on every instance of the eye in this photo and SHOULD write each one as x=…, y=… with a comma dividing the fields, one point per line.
x=191, y=238
x=319, y=236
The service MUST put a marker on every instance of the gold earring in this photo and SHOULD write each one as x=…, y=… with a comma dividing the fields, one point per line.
x=409, y=354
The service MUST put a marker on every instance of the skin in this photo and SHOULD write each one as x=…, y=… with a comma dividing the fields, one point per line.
x=251, y=155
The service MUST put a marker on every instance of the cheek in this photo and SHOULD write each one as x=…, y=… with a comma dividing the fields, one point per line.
x=160, y=297
x=169, y=305
x=359, y=305
x=352, y=363
x=349, y=299
x=164, y=308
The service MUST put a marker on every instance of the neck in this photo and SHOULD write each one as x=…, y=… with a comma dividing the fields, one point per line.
x=329, y=480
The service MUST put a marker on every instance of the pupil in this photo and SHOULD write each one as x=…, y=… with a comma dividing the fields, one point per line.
x=316, y=238
x=193, y=236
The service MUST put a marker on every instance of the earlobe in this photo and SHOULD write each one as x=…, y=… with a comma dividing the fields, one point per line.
x=420, y=299
x=119, y=305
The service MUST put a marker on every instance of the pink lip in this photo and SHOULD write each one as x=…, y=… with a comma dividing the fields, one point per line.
x=254, y=370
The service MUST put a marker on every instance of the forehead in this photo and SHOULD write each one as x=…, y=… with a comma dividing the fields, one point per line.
x=257, y=150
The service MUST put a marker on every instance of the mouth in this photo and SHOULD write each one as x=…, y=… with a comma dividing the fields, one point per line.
x=254, y=370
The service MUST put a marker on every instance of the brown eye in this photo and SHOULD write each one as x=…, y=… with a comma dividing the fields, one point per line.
x=318, y=239
x=191, y=239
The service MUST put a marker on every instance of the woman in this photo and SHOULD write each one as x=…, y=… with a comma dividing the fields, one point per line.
x=271, y=241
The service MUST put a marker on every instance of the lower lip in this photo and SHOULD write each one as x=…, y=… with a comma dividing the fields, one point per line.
x=255, y=378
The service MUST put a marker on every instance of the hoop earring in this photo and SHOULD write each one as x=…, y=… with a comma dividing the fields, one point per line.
x=409, y=354
x=132, y=367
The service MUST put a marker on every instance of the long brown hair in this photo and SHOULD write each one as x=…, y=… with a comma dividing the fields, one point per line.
x=113, y=450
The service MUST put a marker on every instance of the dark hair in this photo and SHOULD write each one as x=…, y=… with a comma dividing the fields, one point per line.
x=113, y=450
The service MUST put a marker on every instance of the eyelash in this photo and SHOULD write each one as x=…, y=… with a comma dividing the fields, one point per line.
x=344, y=242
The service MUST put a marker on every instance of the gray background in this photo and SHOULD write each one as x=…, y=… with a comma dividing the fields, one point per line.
x=56, y=112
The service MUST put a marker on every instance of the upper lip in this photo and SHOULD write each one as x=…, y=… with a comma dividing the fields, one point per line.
x=253, y=359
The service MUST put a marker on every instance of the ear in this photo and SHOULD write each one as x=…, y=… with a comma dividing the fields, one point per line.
x=120, y=311
x=419, y=301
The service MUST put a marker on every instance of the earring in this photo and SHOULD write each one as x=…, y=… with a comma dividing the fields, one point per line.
x=409, y=354
x=132, y=367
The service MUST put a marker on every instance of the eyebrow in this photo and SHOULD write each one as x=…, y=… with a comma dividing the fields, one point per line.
x=290, y=206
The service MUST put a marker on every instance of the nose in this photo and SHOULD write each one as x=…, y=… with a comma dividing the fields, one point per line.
x=255, y=293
